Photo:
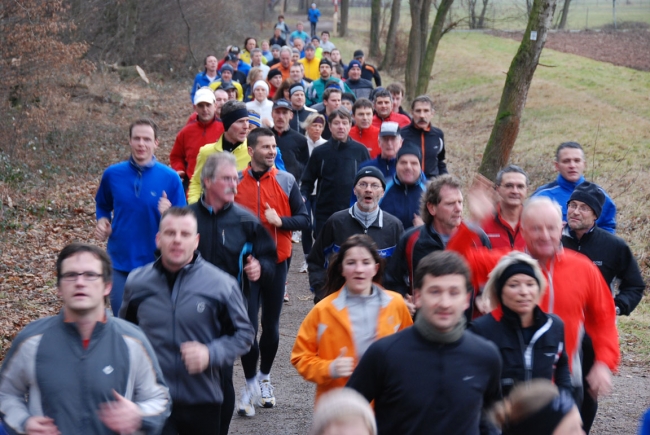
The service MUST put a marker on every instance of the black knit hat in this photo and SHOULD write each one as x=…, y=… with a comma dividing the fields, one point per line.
x=409, y=148
x=590, y=194
x=370, y=171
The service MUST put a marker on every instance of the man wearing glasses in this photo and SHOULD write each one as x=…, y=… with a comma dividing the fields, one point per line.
x=364, y=217
x=234, y=240
x=82, y=371
x=129, y=202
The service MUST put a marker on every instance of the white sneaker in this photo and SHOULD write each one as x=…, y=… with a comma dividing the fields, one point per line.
x=304, y=268
x=286, y=295
x=296, y=236
x=268, y=399
x=247, y=401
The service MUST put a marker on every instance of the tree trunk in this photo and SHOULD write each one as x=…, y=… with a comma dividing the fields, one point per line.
x=432, y=46
x=391, y=37
x=473, y=22
x=345, y=9
x=515, y=90
x=375, y=16
x=413, y=57
x=425, y=13
x=564, y=15
x=481, y=18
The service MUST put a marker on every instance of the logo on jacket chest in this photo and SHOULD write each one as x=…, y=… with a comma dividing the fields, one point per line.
x=200, y=307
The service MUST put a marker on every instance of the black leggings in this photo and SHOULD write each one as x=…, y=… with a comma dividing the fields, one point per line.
x=271, y=296
x=589, y=406
x=228, y=405
x=194, y=420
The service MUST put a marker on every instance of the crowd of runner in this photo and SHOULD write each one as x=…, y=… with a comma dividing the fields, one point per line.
x=503, y=321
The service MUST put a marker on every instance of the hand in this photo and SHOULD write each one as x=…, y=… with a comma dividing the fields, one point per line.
x=342, y=366
x=103, y=229
x=600, y=380
x=272, y=216
x=408, y=299
x=181, y=174
x=417, y=220
x=163, y=203
x=196, y=356
x=481, y=199
x=40, y=425
x=267, y=123
x=120, y=415
x=253, y=268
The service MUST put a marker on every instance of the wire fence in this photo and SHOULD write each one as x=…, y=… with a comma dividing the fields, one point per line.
x=512, y=14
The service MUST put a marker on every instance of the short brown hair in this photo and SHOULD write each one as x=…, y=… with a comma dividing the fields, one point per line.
x=432, y=194
x=441, y=263
x=422, y=99
x=339, y=113
x=144, y=121
x=176, y=212
x=77, y=248
x=361, y=102
x=330, y=91
x=396, y=88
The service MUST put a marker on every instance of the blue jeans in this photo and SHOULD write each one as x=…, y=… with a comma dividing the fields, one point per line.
x=117, y=292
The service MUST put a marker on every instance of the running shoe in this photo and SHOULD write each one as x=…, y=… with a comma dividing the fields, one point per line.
x=304, y=268
x=268, y=399
x=296, y=236
x=247, y=401
x=286, y=295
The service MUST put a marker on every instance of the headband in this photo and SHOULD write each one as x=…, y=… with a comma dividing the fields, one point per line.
x=544, y=421
x=232, y=117
x=318, y=120
x=512, y=270
x=261, y=83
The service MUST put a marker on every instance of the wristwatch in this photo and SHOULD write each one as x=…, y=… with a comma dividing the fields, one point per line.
x=618, y=311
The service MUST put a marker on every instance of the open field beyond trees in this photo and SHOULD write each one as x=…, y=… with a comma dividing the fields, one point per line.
x=48, y=187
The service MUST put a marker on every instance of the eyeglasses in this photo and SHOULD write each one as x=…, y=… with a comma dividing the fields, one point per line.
x=366, y=185
x=87, y=276
x=229, y=179
x=582, y=208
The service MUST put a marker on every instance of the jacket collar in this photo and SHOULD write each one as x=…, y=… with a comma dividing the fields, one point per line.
x=209, y=208
x=569, y=185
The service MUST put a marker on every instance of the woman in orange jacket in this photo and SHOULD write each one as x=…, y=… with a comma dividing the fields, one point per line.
x=356, y=312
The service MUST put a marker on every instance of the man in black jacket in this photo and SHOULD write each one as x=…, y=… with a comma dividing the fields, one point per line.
x=613, y=258
x=430, y=139
x=300, y=111
x=333, y=165
x=364, y=217
x=191, y=311
x=436, y=377
x=232, y=239
x=293, y=145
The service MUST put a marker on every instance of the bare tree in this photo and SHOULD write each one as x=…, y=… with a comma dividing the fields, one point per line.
x=432, y=46
x=515, y=90
x=420, y=10
x=375, y=17
x=391, y=37
x=564, y=14
x=345, y=11
x=477, y=21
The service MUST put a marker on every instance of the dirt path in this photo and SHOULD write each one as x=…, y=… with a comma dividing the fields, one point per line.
x=618, y=414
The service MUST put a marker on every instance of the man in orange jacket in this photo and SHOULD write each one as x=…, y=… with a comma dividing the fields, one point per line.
x=274, y=197
x=577, y=291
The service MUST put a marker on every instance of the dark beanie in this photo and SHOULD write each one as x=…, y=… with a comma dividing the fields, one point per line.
x=590, y=194
x=325, y=61
x=509, y=272
x=272, y=73
x=370, y=171
x=409, y=148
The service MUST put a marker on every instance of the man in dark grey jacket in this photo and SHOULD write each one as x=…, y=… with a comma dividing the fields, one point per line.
x=82, y=372
x=194, y=315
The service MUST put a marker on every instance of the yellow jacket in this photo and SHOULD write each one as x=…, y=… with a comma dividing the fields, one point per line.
x=245, y=56
x=327, y=329
x=312, y=70
x=240, y=153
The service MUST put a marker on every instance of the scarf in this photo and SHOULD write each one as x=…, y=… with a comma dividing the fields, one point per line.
x=430, y=333
x=365, y=218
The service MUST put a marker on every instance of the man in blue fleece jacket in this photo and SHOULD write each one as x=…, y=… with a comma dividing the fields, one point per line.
x=131, y=197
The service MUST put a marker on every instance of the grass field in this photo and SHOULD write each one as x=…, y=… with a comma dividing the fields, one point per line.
x=604, y=107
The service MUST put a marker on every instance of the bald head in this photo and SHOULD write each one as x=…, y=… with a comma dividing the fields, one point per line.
x=541, y=227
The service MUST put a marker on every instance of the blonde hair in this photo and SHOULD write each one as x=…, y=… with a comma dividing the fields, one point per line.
x=310, y=120
x=513, y=257
x=525, y=400
x=340, y=405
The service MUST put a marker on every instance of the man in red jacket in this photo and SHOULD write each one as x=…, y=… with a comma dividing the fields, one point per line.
x=363, y=131
x=383, y=101
x=274, y=197
x=205, y=129
x=577, y=292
